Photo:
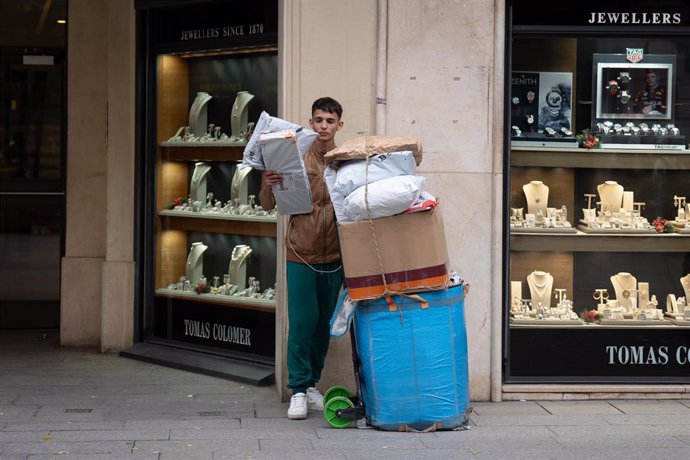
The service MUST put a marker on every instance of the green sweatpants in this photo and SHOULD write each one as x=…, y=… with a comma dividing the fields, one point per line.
x=311, y=300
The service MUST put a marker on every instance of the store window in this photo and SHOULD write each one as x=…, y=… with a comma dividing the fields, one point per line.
x=209, y=71
x=597, y=209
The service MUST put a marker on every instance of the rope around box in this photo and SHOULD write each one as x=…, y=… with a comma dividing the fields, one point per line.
x=387, y=293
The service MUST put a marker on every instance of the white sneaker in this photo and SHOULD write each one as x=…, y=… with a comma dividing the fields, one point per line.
x=298, y=407
x=314, y=399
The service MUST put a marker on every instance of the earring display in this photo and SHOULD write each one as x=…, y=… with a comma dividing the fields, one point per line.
x=681, y=222
x=540, y=218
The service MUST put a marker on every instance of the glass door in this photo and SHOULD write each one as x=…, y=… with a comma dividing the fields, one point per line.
x=32, y=162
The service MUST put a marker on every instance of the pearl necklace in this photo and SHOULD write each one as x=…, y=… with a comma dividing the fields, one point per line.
x=540, y=289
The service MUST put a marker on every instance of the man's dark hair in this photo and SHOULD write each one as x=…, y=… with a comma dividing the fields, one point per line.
x=327, y=104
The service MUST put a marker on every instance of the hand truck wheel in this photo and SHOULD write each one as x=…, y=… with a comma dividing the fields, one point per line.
x=336, y=391
x=332, y=409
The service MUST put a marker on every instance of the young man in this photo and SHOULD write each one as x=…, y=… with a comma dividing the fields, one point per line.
x=314, y=272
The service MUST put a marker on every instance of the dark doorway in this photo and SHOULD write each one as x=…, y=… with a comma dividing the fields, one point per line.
x=32, y=161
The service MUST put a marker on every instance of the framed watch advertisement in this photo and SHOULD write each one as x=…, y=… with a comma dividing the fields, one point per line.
x=541, y=102
x=641, y=90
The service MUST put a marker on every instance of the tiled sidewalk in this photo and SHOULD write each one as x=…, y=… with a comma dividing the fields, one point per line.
x=58, y=403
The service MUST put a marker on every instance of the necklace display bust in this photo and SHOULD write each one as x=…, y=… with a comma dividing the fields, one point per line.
x=685, y=282
x=197, y=185
x=238, y=118
x=239, y=186
x=610, y=195
x=537, y=194
x=625, y=286
x=540, y=284
x=237, y=269
x=195, y=262
x=198, y=114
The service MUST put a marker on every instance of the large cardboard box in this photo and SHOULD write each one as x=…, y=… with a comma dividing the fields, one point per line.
x=412, y=250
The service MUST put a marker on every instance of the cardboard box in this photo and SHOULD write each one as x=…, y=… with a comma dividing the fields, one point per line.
x=413, y=254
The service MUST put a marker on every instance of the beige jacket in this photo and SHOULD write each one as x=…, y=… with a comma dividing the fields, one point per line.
x=311, y=238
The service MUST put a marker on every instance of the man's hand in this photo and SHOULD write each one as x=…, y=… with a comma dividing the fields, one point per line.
x=271, y=178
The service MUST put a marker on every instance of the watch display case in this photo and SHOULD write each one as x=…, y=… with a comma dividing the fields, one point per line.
x=210, y=247
x=599, y=244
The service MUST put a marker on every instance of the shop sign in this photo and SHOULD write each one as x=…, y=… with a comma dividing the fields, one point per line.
x=596, y=353
x=632, y=18
x=217, y=332
x=641, y=355
x=646, y=13
x=217, y=326
x=218, y=23
x=233, y=30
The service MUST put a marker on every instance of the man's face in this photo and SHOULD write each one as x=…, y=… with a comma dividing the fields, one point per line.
x=325, y=124
x=652, y=79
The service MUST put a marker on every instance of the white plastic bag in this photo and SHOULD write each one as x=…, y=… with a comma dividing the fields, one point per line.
x=253, y=156
x=330, y=176
x=384, y=198
x=350, y=175
x=342, y=315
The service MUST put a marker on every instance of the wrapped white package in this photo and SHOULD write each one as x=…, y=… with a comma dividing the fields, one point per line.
x=267, y=124
x=330, y=176
x=280, y=153
x=352, y=174
x=386, y=197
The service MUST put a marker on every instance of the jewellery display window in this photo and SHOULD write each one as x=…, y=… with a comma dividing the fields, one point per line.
x=210, y=246
x=597, y=279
